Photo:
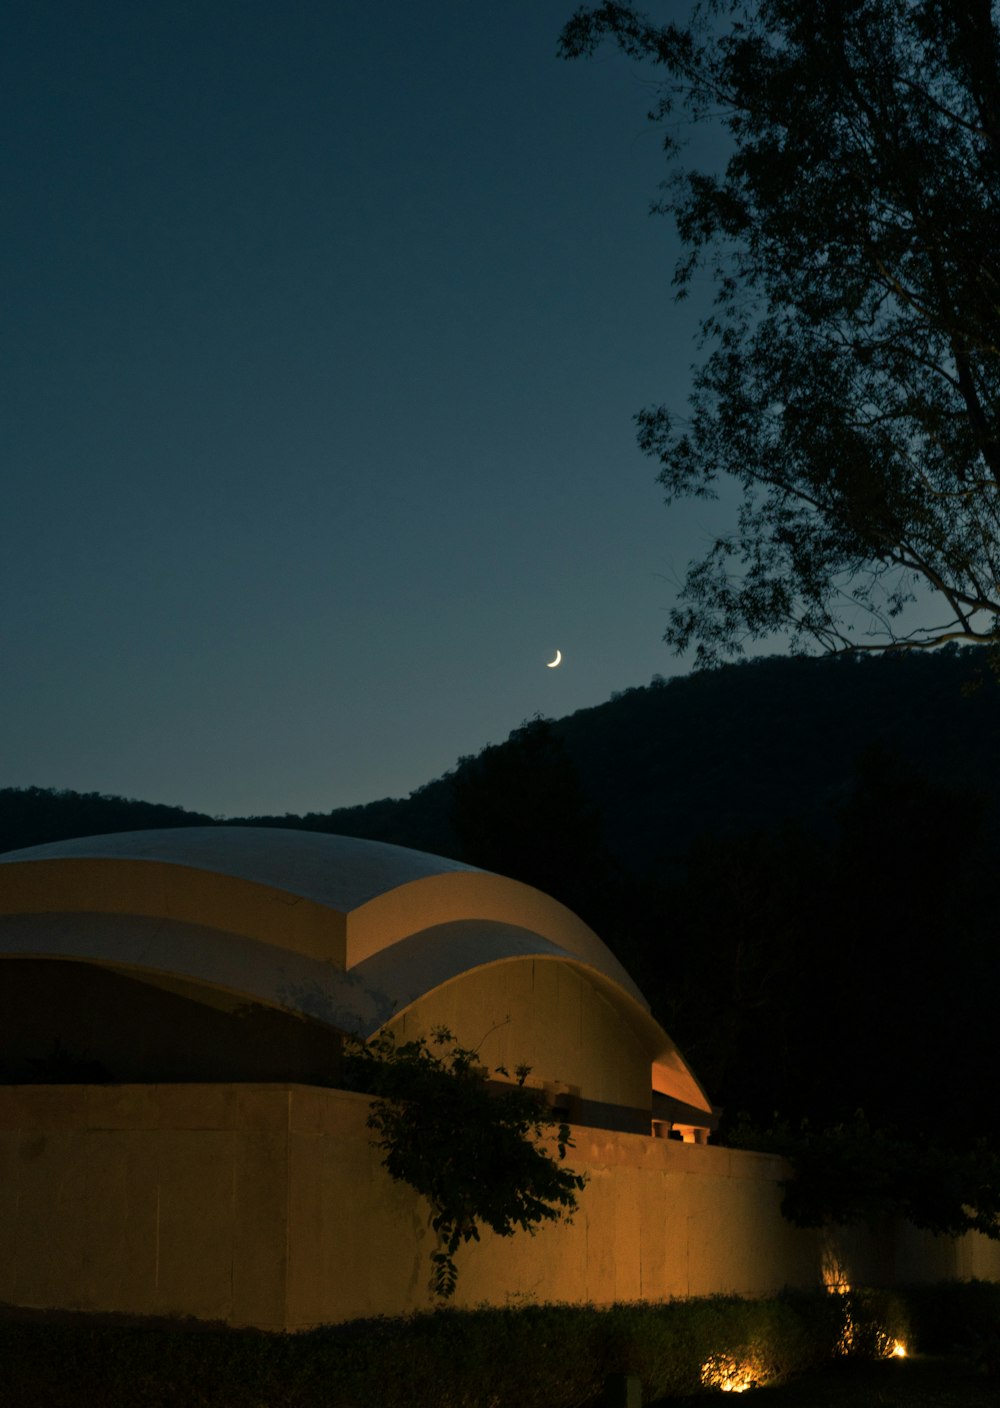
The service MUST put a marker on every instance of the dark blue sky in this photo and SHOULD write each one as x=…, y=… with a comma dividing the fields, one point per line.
x=324, y=328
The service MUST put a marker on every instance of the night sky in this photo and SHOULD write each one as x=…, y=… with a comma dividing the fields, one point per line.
x=324, y=328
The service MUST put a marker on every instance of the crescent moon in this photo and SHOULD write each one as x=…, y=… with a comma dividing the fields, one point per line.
x=551, y=664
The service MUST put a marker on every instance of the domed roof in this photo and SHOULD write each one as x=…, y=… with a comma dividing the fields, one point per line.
x=348, y=931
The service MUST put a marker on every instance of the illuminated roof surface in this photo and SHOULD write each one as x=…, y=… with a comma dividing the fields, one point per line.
x=347, y=931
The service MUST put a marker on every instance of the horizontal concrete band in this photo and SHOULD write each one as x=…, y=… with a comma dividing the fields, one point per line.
x=269, y=1205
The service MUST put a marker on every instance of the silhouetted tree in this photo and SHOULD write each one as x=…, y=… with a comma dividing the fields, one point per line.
x=806, y=975
x=852, y=1172
x=519, y=809
x=731, y=971
x=916, y=970
x=852, y=386
x=475, y=1149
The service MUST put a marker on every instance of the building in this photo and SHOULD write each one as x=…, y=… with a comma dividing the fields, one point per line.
x=173, y=1139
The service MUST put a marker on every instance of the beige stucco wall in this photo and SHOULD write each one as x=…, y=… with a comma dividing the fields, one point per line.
x=266, y=1205
x=149, y=1199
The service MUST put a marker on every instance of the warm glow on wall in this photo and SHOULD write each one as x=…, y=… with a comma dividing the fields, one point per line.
x=835, y=1275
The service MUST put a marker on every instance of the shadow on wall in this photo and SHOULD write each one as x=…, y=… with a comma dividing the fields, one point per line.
x=66, y=1023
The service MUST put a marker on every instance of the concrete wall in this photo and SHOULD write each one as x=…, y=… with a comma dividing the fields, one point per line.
x=574, y=1035
x=266, y=1205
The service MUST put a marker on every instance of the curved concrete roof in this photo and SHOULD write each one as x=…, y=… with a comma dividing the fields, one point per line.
x=342, y=872
x=347, y=931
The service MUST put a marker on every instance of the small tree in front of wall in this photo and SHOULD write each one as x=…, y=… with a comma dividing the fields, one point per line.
x=475, y=1149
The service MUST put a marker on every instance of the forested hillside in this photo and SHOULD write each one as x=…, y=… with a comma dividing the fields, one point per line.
x=749, y=745
x=32, y=816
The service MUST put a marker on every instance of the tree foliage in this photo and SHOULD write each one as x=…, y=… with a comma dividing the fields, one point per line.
x=35, y=816
x=851, y=380
x=851, y=965
x=853, y=1173
x=474, y=1150
x=520, y=808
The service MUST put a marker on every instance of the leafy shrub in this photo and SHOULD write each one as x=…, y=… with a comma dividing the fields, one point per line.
x=534, y=1356
x=475, y=1152
x=953, y=1315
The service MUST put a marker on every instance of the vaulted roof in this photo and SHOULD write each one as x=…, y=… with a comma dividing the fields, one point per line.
x=346, y=931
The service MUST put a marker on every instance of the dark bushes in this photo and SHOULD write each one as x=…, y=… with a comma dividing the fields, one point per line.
x=551, y=1356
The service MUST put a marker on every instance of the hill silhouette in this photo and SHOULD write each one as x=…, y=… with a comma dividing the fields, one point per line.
x=716, y=752
x=33, y=816
x=751, y=745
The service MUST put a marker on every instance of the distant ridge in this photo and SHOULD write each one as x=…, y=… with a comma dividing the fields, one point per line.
x=33, y=816
x=749, y=745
